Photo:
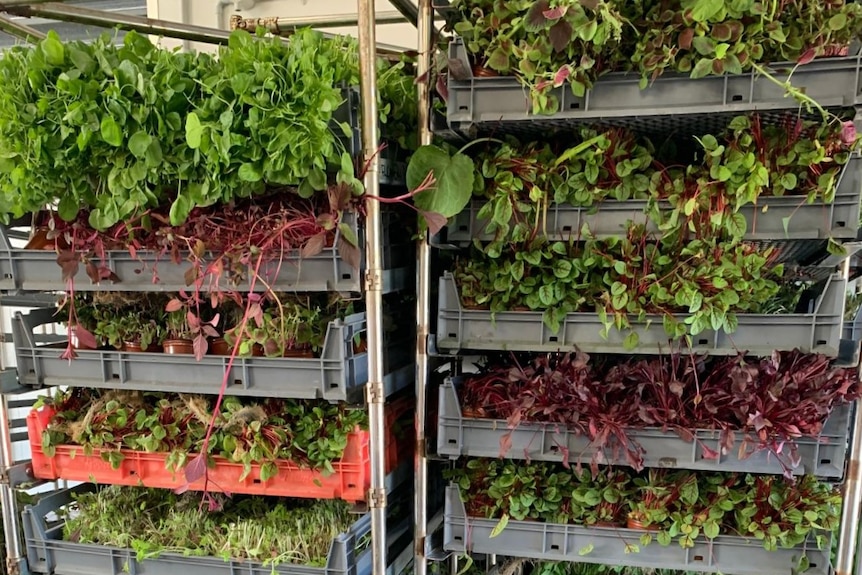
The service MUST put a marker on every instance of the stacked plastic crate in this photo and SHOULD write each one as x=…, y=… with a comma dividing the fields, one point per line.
x=491, y=108
x=337, y=373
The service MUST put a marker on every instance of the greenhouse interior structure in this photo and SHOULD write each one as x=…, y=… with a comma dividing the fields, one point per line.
x=459, y=287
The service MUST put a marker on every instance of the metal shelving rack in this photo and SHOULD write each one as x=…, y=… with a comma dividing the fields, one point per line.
x=13, y=473
x=490, y=116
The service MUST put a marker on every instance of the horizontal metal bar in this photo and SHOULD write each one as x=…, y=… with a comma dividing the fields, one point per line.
x=20, y=404
x=79, y=15
x=20, y=30
x=276, y=25
x=408, y=9
x=12, y=3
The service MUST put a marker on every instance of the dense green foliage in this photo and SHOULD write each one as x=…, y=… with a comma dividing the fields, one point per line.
x=684, y=505
x=551, y=43
x=113, y=131
x=307, y=432
x=155, y=521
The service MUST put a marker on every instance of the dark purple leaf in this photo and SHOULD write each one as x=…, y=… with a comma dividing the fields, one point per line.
x=560, y=35
x=196, y=468
x=435, y=221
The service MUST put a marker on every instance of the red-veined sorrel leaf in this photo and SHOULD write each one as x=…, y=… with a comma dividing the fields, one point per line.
x=349, y=252
x=562, y=75
x=93, y=272
x=196, y=468
x=505, y=444
x=191, y=275
x=435, y=221
x=68, y=262
x=442, y=88
x=555, y=13
x=848, y=132
x=174, y=305
x=200, y=345
x=314, y=245
x=708, y=452
x=807, y=56
x=86, y=340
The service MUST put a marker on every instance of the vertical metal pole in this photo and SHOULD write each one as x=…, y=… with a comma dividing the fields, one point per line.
x=423, y=303
x=7, y=495
x=844, y=559
x=373, y=284
x=849, y=529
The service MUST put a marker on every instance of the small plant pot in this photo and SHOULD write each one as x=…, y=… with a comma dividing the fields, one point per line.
x=257, y=350
x=472, y=413
x=179, y=346
x=360, y=347
x=135, y=347
x=40, y=241
x=480, y=71
x=304, y=353
x=607, y=525
x=835, y=51
x=218, y=346
x=637, y=524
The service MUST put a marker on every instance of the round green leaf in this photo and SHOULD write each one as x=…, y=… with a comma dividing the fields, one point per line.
x=111, y=132
x=454, y=180
x=194, y=131
x=180, y=210
x=837, y=22
x=139, y=143
x=250, y=173
x=55, y=52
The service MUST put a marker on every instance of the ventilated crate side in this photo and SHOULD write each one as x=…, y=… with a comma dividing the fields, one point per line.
x=616, y=546
x=339, y=374
x=460, y=329
x=460, y=436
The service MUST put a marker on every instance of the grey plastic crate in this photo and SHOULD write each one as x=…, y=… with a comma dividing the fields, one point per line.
x=838, y=220
x=37, y=270
x=672, y=104
x=47, y=553
x=463, y=436
x=340, y=374
x=460, y=329
x=550, y=542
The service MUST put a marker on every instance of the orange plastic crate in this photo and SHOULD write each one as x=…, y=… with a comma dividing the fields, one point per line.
x=350, y=482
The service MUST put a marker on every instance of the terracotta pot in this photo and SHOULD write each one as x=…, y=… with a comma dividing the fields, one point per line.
x=835, y=50
x=361, y=347
x=306, y=353
x=635, y=524
x=179, y=346
x=607, y=525
x=40, y=241
x=472, y=413
x=480, y=71
x=218, y=346
x=135, y=347
x=257, y=350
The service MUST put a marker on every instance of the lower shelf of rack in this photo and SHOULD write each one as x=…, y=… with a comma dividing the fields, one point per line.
x=47, y=553
x=618, y=546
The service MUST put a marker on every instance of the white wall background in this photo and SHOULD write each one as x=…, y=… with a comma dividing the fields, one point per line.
x=217, y=14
